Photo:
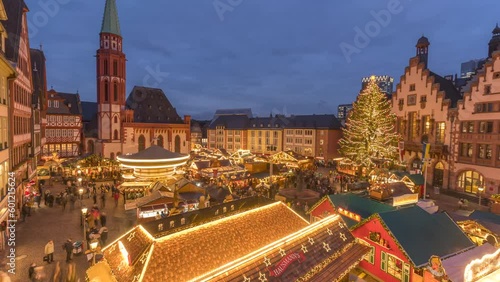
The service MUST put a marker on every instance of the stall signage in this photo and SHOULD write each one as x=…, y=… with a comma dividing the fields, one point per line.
x=405, y=199
x=285, y=262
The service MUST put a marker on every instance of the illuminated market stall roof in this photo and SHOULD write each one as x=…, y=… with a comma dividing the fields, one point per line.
x=273, y=235
x=456, y=266
x=153, y=162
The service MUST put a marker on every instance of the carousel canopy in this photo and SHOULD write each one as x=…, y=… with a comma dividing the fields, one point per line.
x=153, y=157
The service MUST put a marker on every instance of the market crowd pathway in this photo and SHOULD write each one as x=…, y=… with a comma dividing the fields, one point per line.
x=47, y=223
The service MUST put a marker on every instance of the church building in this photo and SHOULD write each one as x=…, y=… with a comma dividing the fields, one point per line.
x=129, y=124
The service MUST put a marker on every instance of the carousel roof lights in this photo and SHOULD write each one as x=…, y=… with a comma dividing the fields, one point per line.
x=266, y=249
x=122, y=159
x=152, y=166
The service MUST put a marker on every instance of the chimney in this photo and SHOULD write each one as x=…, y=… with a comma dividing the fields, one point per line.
x=187, y=119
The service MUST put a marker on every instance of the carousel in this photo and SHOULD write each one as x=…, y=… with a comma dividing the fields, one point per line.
x=141, y=169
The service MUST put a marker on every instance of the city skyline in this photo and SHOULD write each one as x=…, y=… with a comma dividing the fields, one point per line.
x=205, y=57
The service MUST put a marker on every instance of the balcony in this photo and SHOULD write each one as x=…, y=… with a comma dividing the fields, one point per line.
x=436, y=149
x=486, y=137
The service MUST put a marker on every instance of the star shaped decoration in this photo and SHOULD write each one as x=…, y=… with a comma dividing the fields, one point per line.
x=341, y=225
x=131, y=236
x=143, y=258
x=136, y=278
x=267, y=261
x=120, y=266
x=112, y=248
x=343, y=237
x=311, y=241
x=329, y=231
x=304, y=248
x=326, y=246
x=282, y=252
x=262, y=277
x=245, y=278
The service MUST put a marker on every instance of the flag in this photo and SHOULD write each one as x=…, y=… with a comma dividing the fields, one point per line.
x=426, y=147
x=401, y=147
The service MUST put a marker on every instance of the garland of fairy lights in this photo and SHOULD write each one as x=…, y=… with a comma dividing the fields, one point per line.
x=318, y=268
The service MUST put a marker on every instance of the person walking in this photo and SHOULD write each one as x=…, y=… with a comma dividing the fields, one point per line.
x=103, y=200
x=68, y=247
x=64, y=201
x=49, y=251
x=94, y=198
x=116, y=196
x=104, y=235
x=103, y=219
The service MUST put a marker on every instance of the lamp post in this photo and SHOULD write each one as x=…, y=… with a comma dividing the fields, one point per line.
x=84, y=214
x=93, y=249
x=480, y=191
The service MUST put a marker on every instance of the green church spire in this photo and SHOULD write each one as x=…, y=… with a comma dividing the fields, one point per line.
x=110, y=23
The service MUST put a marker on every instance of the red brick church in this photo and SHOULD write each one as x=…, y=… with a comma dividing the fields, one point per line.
x=117, y=124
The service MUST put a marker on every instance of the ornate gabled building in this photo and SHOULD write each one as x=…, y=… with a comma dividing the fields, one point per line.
x=146, y=117
x=64, y=125
x=423, y=103
x=17, y=51
x=39, y=79
x=476, y=150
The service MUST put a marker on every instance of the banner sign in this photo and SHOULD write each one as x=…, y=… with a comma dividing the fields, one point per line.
x=285, y=262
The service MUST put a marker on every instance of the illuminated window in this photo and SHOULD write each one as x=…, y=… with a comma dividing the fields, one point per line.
x=426, y=120
x=440, y=131
x=394, y=266
x=469, y=181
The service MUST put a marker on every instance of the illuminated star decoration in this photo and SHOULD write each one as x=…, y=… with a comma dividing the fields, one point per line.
x=245, y=278
x=121, y=265
x=282, y=252
x=304, y=248
x=342, y=236
x=131, y=236
x=267, y=261
x=329, y=231
x=112, y=248
x=143, y=258
x=326, y=246
x=262, y=277
x=341, y=225
x=311, y=241
x=136, y=278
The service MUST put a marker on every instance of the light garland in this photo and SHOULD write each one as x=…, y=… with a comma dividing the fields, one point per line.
x=479, y=268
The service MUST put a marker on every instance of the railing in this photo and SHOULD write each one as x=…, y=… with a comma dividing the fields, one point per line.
x=171, y=224
x=437, y=149
x=479, y=137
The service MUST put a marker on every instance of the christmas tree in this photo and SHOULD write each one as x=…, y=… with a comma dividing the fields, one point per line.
x=369, y=136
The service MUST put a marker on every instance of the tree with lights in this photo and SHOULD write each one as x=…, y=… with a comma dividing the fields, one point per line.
x=369, y=134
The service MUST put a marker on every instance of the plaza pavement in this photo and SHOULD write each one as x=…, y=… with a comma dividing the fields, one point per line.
x=47, y=223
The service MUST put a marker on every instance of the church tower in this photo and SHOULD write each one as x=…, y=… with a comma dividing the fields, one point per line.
x=423, y=49
x=110, y=81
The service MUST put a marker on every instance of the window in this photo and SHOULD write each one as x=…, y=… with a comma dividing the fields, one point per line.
x=106, y=92
x=423, y=99
x=412, y=87
x=115, y=92
x=56, y=104
x=469, y=181
x=105, y=67
x=115, y=67
x=115, y=134
x=486, y=127
x=426, y=122
x=49, y=103
x=488, y=152
x=412, y=99
x=440, y=131
x=401, y=102
x=466, y=150
x=321, y=142
x=159, y=141
x=481, y=151
x=413, y=124
x=487, y=89
x=142, y=142
x=394, y=266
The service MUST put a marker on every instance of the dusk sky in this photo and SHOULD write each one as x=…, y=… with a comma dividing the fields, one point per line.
x=271, y=56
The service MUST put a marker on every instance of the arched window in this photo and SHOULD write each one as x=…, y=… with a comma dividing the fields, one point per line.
x=159, y=141
x=177, y=144
x=115, y=119
x=470, y=181
x=106, y=92
x=115, y=134
x=112, y=156
x=142, y=142
x=105, y=67
x=115, y=92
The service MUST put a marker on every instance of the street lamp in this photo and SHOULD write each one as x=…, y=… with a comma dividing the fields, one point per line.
x=84, y=214
x=93, y=249
x=480, y=189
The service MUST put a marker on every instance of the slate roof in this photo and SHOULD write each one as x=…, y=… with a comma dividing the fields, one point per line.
x=38, y=76
x=230, y=122
x=422, y=235
x=268, y=122
x=448, y=88
x=230, y=112
x=150, y=105
x=364, y=207
x=13, y=26
x=70, y=105
x=314, y=121
x=110, y=23
x=154, y=152
x=89, y=111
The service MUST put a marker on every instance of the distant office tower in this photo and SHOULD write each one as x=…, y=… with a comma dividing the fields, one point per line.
x=343, y=110
x=385, y=83
x=467, y=69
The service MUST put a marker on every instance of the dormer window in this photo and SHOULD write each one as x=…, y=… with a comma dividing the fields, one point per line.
x=56, y=104
x=412, y=87
x=487, y=89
